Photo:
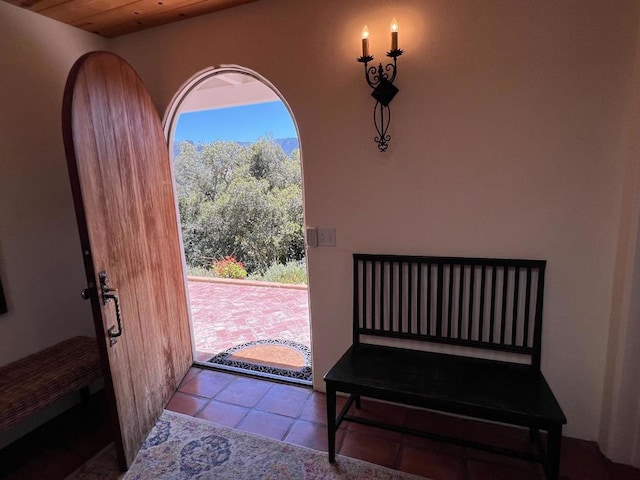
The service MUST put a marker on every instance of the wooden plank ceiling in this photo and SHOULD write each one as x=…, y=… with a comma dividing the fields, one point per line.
x=111, y=18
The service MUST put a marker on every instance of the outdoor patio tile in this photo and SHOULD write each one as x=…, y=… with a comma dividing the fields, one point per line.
x=203, y=356
x=228, y=314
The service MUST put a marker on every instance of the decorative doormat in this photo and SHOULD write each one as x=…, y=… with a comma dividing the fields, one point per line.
x=187, y=448
x=282, y=358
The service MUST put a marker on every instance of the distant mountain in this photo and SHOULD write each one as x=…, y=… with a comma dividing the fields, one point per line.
x=287, y=144
x=177, y=145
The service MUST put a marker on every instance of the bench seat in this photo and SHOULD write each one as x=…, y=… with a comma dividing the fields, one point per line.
x=38, y=380
x=489, y=389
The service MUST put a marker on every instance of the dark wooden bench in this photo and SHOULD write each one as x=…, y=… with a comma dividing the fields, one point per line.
x=463, y=310
x=38, y=380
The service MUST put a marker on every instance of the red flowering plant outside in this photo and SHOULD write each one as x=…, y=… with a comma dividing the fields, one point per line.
x=228, y=267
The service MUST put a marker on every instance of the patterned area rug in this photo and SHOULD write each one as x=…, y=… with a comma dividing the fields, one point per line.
x=282, y=358
x=181, y=448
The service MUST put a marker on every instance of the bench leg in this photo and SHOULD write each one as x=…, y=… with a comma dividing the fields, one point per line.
x=331, y=422
x=552, y=461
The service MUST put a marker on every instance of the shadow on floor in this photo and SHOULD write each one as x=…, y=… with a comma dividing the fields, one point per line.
x=54, y=450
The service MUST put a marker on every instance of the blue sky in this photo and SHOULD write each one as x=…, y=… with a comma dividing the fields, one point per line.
x=242, y=124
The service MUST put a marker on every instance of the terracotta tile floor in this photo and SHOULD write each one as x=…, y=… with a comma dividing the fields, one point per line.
x=229, y=314
x=226, y=315
x=297, y=415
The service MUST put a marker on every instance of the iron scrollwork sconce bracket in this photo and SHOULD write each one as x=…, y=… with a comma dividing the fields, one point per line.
x=381, y=79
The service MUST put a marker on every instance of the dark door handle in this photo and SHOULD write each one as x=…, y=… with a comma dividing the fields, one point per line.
x=109, y=294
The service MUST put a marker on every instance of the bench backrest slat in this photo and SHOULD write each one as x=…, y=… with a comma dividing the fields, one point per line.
x=485, y=303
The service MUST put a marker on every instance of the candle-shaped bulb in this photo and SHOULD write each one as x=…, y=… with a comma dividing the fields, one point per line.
x=365, y=41
x=394, y=34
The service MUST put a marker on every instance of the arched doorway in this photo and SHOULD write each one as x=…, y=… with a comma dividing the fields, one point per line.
x=238, y=177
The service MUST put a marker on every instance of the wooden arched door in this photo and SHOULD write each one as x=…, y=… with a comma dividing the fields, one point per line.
x=123, y=194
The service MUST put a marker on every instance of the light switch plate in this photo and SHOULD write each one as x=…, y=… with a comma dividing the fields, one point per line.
x=327, y=237
x=312, y=236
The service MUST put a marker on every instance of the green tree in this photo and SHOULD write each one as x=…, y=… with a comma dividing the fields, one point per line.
x=250, y=231
x=267, y=158
x=200, y=224
x=207, y=169
x=289, y=205
x=243, y=201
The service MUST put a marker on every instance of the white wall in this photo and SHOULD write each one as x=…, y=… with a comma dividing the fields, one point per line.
x=507, y=141
x=619, y=436
x=40, y=257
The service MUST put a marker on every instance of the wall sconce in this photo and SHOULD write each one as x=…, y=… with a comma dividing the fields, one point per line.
x=381, y=80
